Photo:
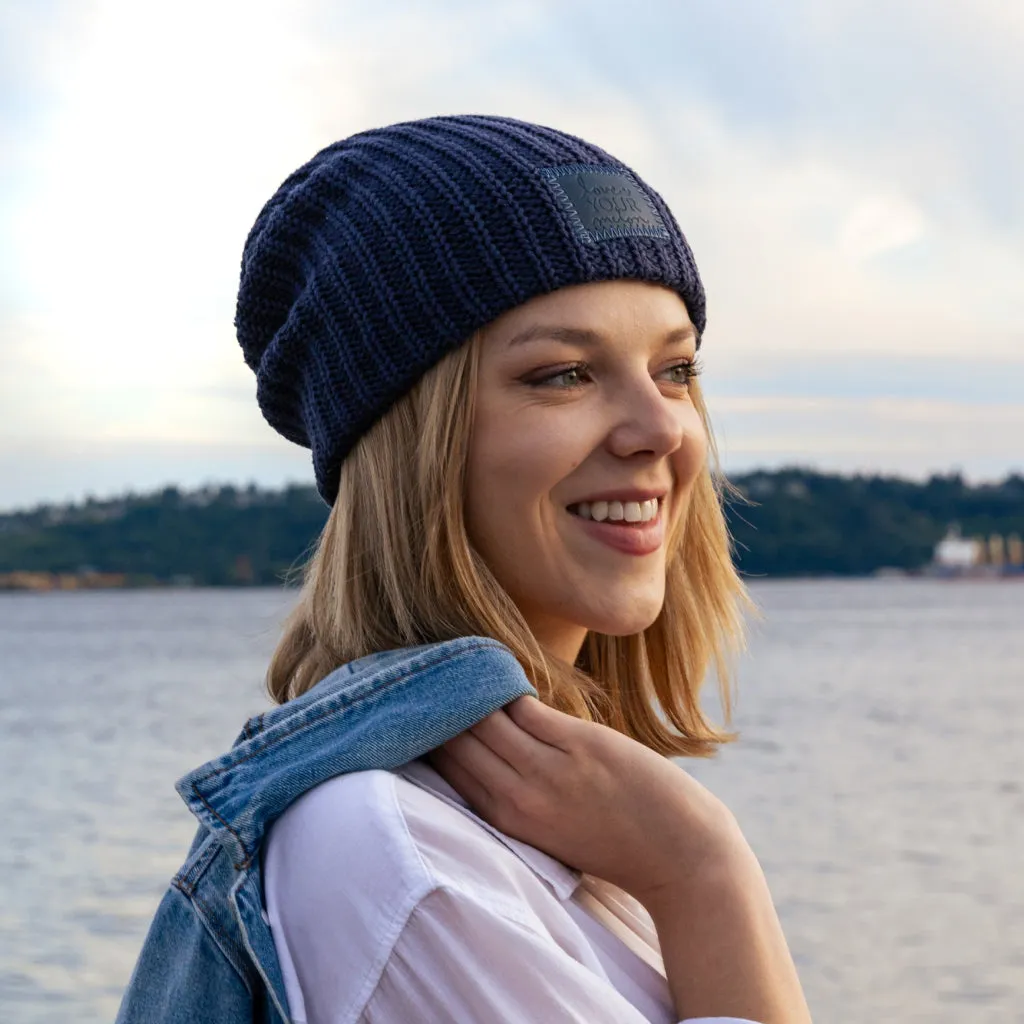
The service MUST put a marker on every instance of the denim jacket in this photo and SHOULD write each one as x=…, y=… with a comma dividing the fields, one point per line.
x=209, y=956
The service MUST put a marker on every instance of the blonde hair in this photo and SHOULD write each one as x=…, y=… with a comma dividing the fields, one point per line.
x=394, y=567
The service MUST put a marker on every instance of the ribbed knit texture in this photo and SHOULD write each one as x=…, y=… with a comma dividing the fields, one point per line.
x=390, y=248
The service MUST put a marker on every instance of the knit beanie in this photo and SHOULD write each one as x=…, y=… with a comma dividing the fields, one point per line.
x=390, y=248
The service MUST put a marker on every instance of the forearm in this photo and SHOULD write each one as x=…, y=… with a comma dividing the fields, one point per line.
x=723, y=946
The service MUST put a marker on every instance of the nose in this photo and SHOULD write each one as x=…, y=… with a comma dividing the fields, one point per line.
x=646, y=421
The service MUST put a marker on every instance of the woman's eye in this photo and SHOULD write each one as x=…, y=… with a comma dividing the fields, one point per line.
x=571, y=377
x=576, y=376
x=682, y=373
x=567, y=378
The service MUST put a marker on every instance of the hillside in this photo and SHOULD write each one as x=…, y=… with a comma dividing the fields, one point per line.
x=807, y=523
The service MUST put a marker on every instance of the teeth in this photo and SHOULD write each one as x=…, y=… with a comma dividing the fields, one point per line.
x=618, y=511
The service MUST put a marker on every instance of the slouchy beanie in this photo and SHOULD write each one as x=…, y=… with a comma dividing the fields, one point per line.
x=390, y=248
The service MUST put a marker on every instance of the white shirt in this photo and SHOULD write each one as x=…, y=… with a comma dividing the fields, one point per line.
x=391, y=902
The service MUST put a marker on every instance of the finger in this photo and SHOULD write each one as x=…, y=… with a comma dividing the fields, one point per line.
x=543, y=723
x=513, y=744
x=489, y=768
x=470, y=788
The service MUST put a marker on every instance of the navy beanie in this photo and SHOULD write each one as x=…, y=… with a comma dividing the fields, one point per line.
x=389, y=249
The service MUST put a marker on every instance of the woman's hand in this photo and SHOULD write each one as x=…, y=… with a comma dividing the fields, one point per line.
x=589, y=796
x=612, y=808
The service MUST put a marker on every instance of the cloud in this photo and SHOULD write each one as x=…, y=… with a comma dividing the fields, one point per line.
x=67, y=470
x=897, y=435
x=879, y=224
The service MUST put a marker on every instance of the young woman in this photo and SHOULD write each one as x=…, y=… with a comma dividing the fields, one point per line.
x=463, y=808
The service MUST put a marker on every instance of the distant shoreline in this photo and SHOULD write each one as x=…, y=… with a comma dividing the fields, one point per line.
x=69, y=583
x=785, y=524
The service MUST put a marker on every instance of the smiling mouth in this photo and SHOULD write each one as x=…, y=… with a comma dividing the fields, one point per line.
x=618, y=513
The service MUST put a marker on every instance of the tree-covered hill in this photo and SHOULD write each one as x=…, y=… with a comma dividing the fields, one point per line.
x=798, y=522
x=212, y=537
x=807, y=523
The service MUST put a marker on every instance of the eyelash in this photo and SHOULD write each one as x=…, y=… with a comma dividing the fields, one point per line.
x=691, y=369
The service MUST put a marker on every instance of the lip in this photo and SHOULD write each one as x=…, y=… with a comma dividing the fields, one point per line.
x=629, y=538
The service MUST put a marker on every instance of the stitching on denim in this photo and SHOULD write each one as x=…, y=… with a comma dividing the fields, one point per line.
x=227, y=825
x=210, y=921
x=551, y=176
x=193, y=870
x=255, y=960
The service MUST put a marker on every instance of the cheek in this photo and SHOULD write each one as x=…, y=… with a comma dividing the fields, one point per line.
x=513, y=466
x=692, y=454
x=688, y=462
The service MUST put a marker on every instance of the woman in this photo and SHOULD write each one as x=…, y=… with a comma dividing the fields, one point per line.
x=487, y=333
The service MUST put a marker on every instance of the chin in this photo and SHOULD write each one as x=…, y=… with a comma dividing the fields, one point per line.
x=623, y=621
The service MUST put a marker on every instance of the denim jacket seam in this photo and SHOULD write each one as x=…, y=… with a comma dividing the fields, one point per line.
x=191, y=872
x=221, y=938
x=253, y=727
x=247, y=860
x=271, y=990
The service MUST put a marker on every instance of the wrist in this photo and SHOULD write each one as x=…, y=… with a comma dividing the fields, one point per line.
x=711, y=853
x=735, y=880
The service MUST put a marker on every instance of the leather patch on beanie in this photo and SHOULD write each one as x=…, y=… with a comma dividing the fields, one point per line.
x=604, y=202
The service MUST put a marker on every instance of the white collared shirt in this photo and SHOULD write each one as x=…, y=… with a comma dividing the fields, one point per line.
x=390, y=902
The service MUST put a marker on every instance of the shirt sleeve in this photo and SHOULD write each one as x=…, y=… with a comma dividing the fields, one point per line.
x=460, y=961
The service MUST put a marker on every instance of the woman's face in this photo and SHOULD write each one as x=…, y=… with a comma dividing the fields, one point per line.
x=584, y=451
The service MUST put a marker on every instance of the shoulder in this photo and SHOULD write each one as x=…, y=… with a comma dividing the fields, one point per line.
x=375, y=843
x=348, y=864
x=347, y=839
x=381, y=838
x=341, y=879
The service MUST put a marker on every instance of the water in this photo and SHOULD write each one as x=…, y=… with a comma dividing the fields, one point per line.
x=880, y=777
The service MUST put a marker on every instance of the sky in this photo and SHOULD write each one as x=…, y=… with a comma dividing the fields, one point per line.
x=848, y=175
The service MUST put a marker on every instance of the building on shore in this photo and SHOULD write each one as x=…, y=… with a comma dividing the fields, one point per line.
x=977, y=557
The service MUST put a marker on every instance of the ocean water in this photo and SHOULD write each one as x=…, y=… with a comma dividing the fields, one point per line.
x=879, y=776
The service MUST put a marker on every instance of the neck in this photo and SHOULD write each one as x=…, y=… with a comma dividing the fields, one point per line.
x=564, y=643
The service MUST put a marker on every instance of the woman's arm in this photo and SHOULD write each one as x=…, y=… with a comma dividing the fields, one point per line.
x=723, y=945
x=610, y=807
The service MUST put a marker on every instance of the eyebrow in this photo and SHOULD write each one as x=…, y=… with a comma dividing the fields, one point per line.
x=587, y=338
